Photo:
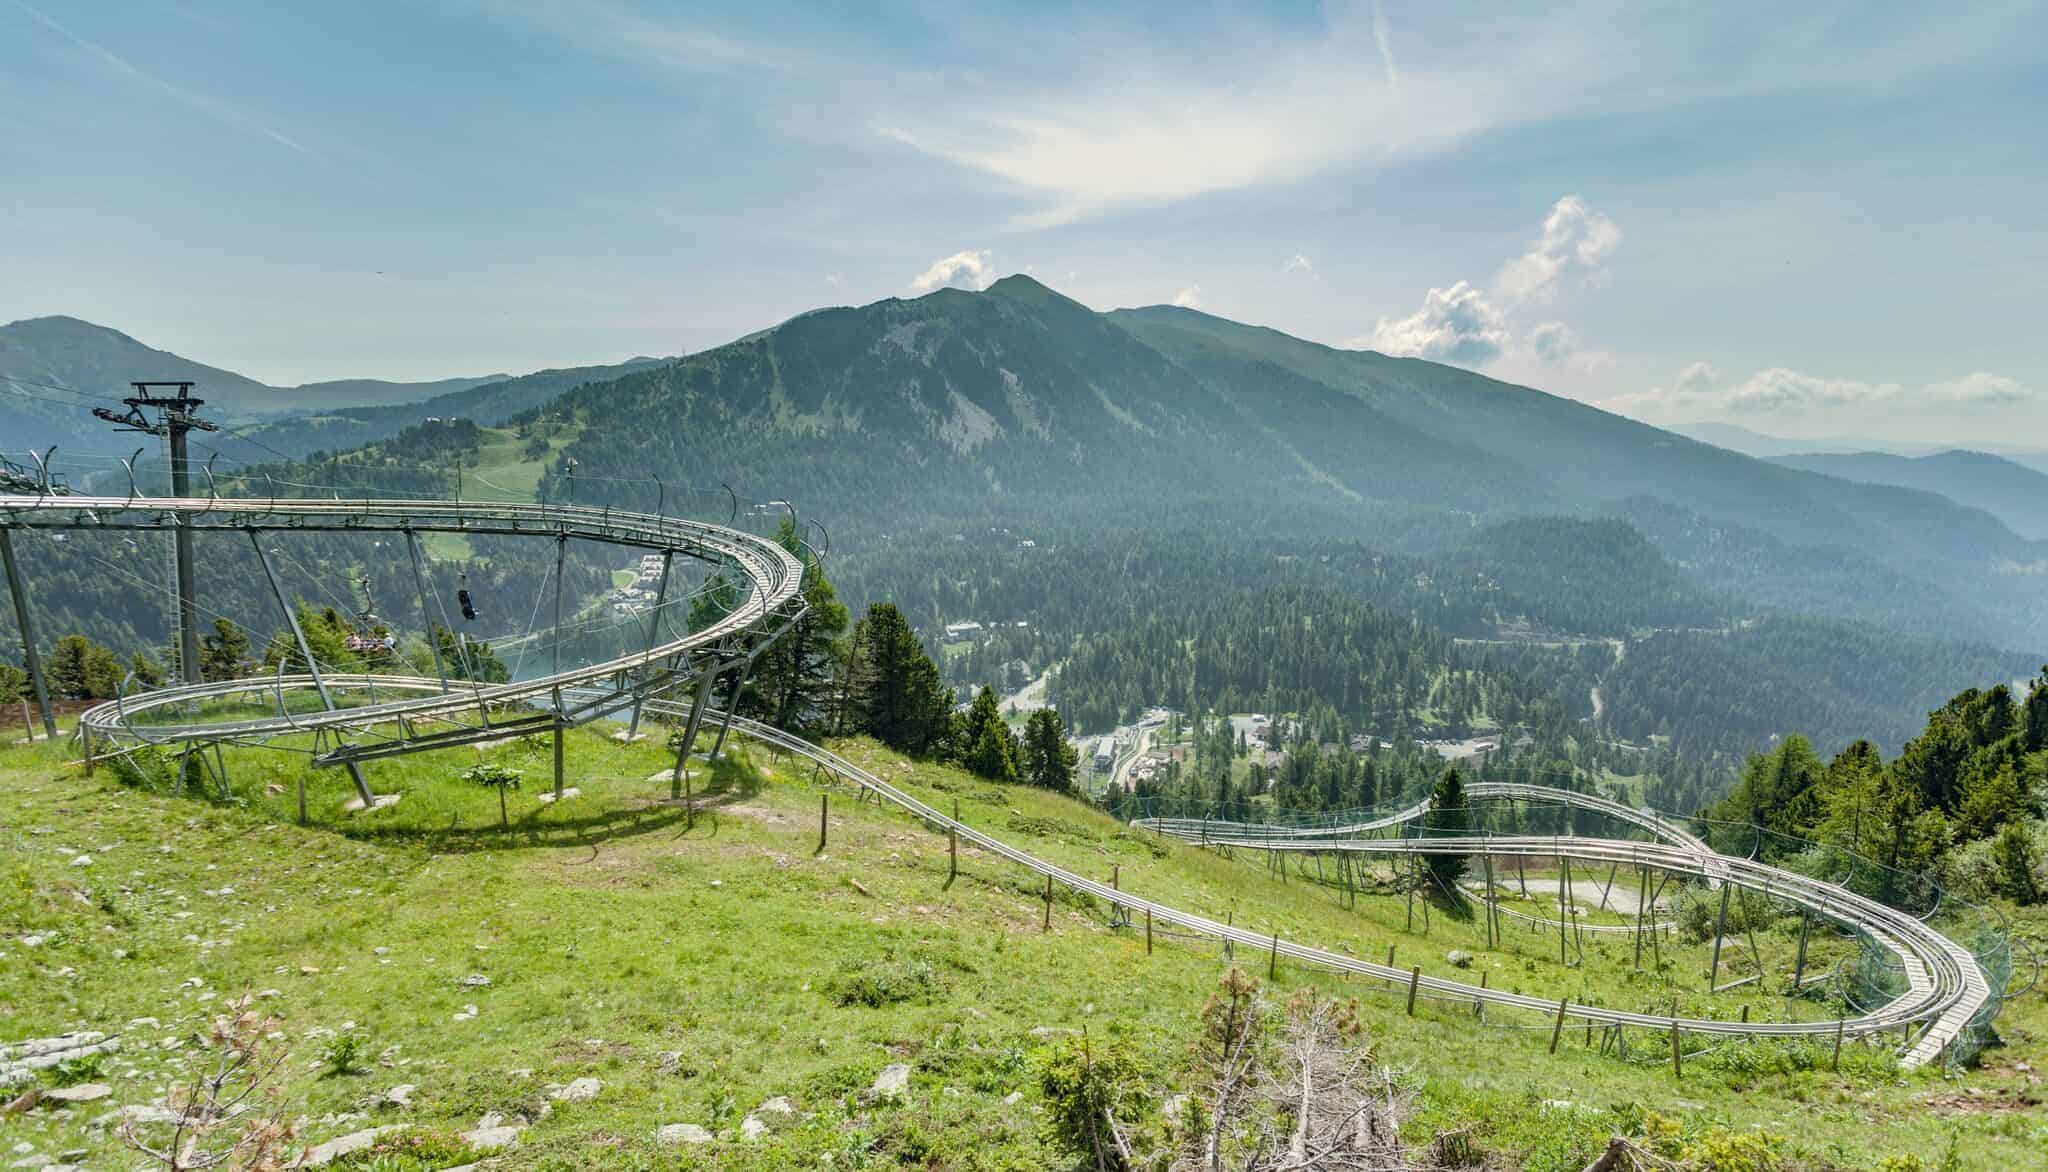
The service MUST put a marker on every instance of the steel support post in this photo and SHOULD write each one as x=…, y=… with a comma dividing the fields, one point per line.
x=1720, y=926
x=561, y=558
x=419, y=582
x=31, y=656
x=291, y=618
x=181, y=542
x=559, y=725
x=1799, y=965
x=732, y=708
x=668, y=557
x=705, y=683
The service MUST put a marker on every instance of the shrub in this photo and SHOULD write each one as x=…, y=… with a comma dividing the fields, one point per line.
x=497, y=777
x=887, y=982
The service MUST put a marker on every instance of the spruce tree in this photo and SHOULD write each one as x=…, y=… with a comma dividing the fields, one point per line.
x=1448, y=818
x=1049, y=761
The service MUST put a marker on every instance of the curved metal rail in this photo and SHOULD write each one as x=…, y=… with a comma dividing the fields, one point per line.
x=1945, y=988
x=772, y=578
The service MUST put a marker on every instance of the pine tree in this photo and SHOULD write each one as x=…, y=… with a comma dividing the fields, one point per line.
x=221, y=653
x=1448, y=818
x=987, y=746
x=792, y=680
x=1049, y=761
x=897, y=695
x=2013, y=854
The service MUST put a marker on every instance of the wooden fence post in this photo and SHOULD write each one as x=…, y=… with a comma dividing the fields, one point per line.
x=1414, y=980
x=1048, y=901
x=1148, y=931
x=1677, y=1054
x=1557, y=1029
x=824, y=808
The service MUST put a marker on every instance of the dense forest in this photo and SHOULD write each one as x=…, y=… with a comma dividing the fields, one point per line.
x=1833, y=681
x=1290, y=650
x=1963, y=798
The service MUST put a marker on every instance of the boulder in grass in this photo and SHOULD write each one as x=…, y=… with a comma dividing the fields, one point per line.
x=681, y=1133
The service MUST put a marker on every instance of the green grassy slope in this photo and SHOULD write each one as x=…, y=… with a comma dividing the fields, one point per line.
x=613, y=934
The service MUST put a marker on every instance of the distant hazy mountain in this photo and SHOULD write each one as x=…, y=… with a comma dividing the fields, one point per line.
x=2012, y=492
x=1755, y=443
x=95, y=365
x=486, y=403
x=1018, y=403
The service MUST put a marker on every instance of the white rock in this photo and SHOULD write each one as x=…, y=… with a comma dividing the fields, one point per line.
x=1013, y=1098
x=354, y=1141
x=83, y=1093
x=752, y=1128
x=475, y=981
x=399, y=1096
x=81, y=861
x=491, y=1138
x=892, y=1082
x=682, y=1133
x=582, y=1090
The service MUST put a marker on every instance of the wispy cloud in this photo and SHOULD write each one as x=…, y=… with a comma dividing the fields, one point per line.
x=1299, y=264
x=1780, y=390
x=1189, y=298
x=224, y=112
x=686, y=44
x=1384, y=39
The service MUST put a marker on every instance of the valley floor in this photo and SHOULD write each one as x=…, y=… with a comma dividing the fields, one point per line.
x=697, y=966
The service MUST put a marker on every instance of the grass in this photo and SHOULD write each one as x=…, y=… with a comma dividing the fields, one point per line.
x=699, y=966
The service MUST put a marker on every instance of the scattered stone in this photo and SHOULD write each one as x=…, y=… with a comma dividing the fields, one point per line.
x=309, y=970
x=90, y=1092
x=139, y=1114
x=1044, y=1032
x=475, y=981
x=36, y=1161
x=772, y=1115
x=269, y=994
x=892, y=1082
x=399, y=1096
x=669, y=1062
x=1457, y=958
x=681, y=1133
x=380, y=950
x=583, y=1090
x=569, y=792
x=468, y=1013
x=354, y=1141
x=1016, y=1097
x=81, y=861
x=378, y=802
x=492, y=1138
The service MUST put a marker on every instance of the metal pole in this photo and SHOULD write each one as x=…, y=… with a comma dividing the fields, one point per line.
x=1488, y=860
x=419, y=582
x=705, y=683
x=181, y=538
x=1799, y=966
x=732, y=708
x=31, y=656
x=291, y=618
x=1720, y=925
x=1642, y=893
x=668, y=557
x=561, y=555
x=559, y=725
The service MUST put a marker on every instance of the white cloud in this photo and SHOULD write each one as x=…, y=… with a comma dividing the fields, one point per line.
x=1576, y=240
x=1783, y=391
x=1299, y=264
x=1189, y=298
x=834, y=279
x=968, y=269
x=1697, y=378
x=1983, y=389
x=1454, y=325
x=1553, y=341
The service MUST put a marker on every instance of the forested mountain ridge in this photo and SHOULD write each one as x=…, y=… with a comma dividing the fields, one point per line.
x=38, y=355
x=2014, y=493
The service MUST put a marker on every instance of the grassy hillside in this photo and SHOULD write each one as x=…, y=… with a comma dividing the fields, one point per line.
x=698, y=970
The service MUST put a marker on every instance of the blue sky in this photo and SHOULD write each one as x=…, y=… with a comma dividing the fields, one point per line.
x=1810, y=220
